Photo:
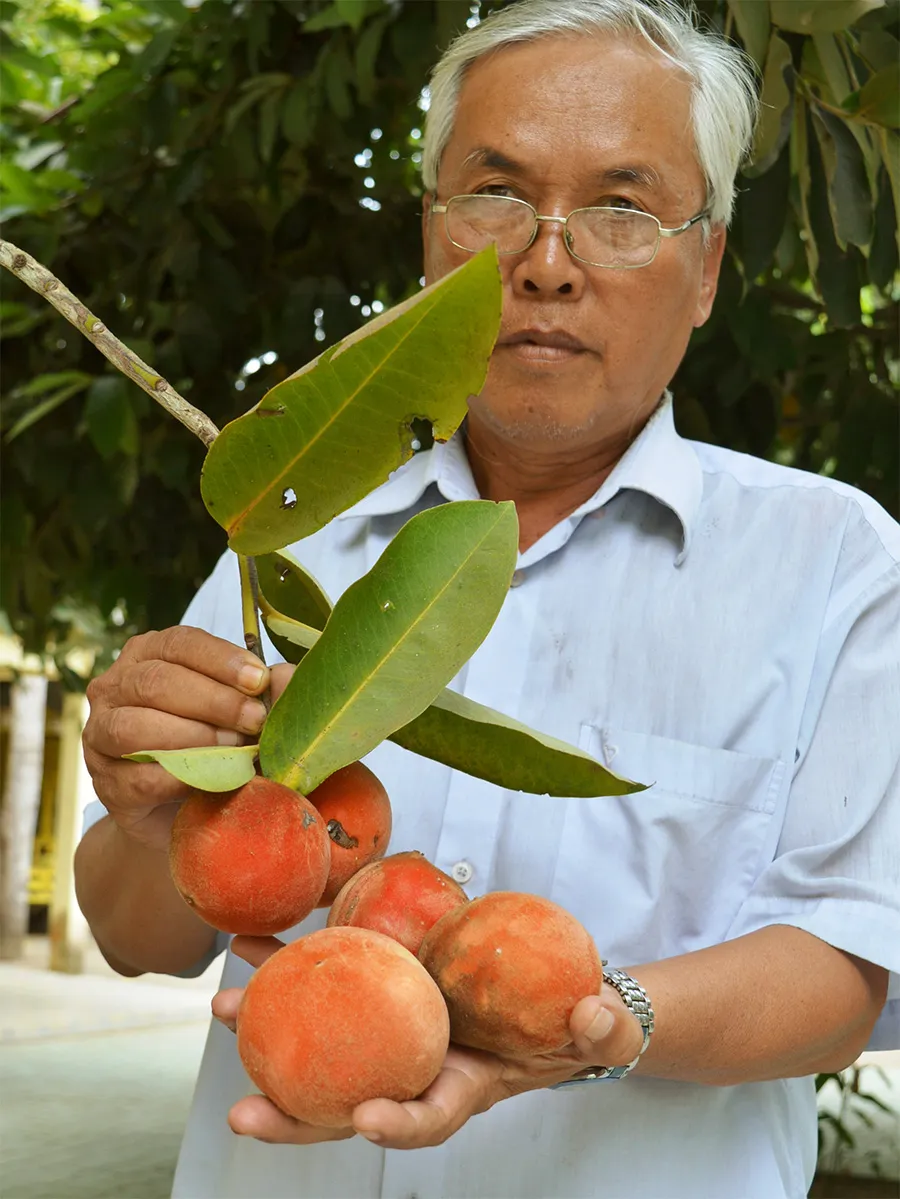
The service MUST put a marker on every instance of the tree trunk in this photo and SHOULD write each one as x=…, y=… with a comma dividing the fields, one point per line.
x=21, y=801
x=69, y=932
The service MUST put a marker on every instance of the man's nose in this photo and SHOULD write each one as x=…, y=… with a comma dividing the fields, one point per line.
x=547, y=266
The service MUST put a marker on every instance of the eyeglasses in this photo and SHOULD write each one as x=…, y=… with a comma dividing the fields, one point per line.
x=616, y=238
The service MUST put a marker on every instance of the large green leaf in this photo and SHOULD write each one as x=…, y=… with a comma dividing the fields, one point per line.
x=208, y=768
x=878, y=100
x=775, y=118
x=471, y=737
x=752, y=20
x=819, y=16
x=476, y=739
x=321, y=440
x=288, y=587
x=395, y=638
x=849, y=197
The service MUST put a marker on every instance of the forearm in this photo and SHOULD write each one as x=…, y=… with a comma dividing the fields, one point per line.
x=137, y=917
x=776, y=1003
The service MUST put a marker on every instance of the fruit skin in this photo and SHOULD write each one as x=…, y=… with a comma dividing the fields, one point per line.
x=355, y=797
x=253, y=861
x=402, y=896
x=338, y=1017
x=511, y=967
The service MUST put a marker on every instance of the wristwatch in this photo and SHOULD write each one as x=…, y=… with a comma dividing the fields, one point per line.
x=638, y=1003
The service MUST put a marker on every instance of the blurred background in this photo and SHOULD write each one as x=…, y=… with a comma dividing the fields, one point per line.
x=233, y=185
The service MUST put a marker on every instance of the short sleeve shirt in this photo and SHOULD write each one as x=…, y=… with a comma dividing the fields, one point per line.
x=724, y=629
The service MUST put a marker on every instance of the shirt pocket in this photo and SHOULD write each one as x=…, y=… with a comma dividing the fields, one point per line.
x=664, y=871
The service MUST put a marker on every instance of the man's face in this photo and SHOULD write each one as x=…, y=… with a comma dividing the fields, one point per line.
x=566, y=123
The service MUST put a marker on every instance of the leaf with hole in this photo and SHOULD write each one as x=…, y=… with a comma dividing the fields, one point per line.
x=396, y=637
x=207, y=768
x=323, y=439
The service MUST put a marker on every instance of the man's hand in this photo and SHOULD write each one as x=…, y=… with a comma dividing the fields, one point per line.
x=603, y=1032
x=170, y=690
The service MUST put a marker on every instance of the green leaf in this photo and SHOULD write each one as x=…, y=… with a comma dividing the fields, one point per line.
x=879, y=48
x=752, y=20
x=775, y=116
x=833, y=66
x=39, y=411
x=883, y=255
x=342, y=13
x=878, y=100
x=269, y=118
x=298, y=119
x=111, y=421
x=207, y=768
x=471, y=737
x=468, y=736
x=288, y=588
x=837, y=272
x=367, y=46
x=820, y=16
x=849, y=197
x=324, y=438
x=396, y=637
x=762, y=210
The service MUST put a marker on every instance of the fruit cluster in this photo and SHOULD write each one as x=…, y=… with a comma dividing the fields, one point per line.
x=366, y=1007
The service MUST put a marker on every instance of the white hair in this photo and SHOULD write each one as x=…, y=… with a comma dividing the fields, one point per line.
x=724, y=102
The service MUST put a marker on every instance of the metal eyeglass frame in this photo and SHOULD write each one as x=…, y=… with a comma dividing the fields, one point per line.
x=564, y=221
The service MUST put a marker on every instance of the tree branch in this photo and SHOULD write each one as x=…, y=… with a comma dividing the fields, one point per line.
x=39, y=279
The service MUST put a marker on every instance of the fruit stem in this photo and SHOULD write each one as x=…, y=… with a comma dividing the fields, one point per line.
x=39, y=279
x=250, y=613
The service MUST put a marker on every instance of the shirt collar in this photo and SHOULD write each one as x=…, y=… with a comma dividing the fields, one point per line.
x=658, y=462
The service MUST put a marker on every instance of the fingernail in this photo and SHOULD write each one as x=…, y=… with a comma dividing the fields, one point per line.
x=227, y=737
x=601, y=1025
x=253, y=716
x=375, y=1137
x=250, y=677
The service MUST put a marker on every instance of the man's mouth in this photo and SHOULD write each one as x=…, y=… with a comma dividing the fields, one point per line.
x=542, y=345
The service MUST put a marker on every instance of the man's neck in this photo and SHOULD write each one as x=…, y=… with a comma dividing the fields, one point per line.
x=546, y=482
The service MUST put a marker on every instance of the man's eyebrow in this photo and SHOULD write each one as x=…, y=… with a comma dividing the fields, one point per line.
x=638, y=175
x=635, y=174
x=487, y=156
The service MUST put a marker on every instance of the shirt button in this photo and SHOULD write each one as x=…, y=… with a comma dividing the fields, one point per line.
x=518, y=579
x=462, y=872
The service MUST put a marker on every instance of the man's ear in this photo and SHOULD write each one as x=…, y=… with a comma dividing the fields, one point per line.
x=709, y=282
x=427, y=201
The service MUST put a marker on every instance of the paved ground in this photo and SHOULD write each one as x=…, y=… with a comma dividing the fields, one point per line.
x=97, y=1073
x=96, y=1076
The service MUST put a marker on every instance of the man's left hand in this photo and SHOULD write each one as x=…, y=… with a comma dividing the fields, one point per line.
x=603, y=1032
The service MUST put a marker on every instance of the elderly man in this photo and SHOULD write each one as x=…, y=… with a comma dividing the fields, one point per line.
x=715, y=625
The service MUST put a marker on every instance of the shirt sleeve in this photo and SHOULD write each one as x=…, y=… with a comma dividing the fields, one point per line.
x=836, y=870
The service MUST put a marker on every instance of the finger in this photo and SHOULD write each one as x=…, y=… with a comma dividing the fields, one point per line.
x=119, y=731
x=256, y=950
x=441, y=1110
x=605, y=1034
x=174, y=689
x=225, y=1006
x=281, y=676
x=201, y=652
x=131, y=786
x=256, y=1116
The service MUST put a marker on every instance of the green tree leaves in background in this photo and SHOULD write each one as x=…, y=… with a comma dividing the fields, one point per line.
x=233, y=187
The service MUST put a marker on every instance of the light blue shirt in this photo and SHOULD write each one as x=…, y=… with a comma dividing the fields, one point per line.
x=725, y=629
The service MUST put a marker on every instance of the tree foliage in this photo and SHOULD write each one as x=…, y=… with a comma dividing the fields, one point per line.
x=232, y=186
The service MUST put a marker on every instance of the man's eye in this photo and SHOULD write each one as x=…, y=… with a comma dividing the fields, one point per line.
x=618, y=202
x=495, y=189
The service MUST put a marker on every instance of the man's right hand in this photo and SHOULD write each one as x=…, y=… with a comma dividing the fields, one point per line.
x=174, y=689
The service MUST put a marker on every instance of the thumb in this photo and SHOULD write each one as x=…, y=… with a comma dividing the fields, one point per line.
x=604, y=1032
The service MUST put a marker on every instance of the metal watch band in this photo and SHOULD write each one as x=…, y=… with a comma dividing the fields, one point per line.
x=638, y=1003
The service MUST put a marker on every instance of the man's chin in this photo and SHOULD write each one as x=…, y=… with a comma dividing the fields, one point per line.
x=523, y=422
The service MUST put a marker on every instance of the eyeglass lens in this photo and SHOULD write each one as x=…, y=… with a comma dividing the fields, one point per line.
x=600, y=236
